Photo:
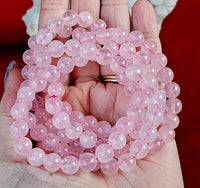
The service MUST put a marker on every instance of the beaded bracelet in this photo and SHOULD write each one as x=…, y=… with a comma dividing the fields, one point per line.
x=67, y=139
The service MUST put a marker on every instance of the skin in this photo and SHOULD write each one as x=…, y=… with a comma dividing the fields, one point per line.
x=154, y=171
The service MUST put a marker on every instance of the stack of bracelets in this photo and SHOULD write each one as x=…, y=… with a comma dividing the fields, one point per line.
x=49, y=133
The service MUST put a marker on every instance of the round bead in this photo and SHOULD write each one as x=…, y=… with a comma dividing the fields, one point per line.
x=65, y=64
x=104, y=36
x=85, y=19
x=44, y=37
x=19, y=128
x=79, y=61
x=88, y=139
x=37, y=84
x=38, y=132
x=63, y=149
x=104, y=153
x=103, y=129
x=50, y=141
x=125, y=125
x=149, y=134
x=119, y=35
x=74, y=131
x=159, y=61
x=171, y=120
x=166, y=134
x=117, y=140
x=87, y=162
x=65, y=32
x=88, y=50
x=173, y=106
x=35, y=157
x=56, y=89
x=136, y=37
x=172, y=90
x=53, y=105
x=28, y=57
x=56, y=48
x=54, y=24
x=52, y=162
x=126, y=162
x=23, y=146
x=97, y=25
x=72, y=47
x=78, y=33
x=139, y=149
x=52, y=73
x=118, y=64
x=110, y=168
x=113, y=47
x=127, y=50
x=18, y=111
x=61, y=120
x=70, y=18
x=165, y=75
x=70, y=165
x=104, y=57
x=25, y=94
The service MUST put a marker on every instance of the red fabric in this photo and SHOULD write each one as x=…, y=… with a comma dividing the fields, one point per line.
x=180, y=37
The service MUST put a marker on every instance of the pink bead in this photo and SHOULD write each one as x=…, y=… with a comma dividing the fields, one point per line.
x=53, y=105
x=24, y=74
x=44, y=37
x=136, y=37
x=52, y=73
x=87, y=162
x=138, y=99
x=110, y=168
x=23, y=146
x=52, y=162
x=166, y=134
x=159, y=60
x=125, y=149
x=88, y=37
x=127, y=50
x=25, y=94
x=149, y=134
x=104, y=57
x=173, y=106
x=62, y=149
x=165, y=75
x=72, y=47
x=70, y=165
x=54, y=24
x=28, y=57
x=117, y=140
x=61, y=134
x=78, y=33
x=35, y=157
x=119, y=35
x=74, y=131
x=103, y=129
x=56, y=48
x=65, y=32
x=104, y=153
x=155, y=147
x=125, y=125
x=139, y=149
x=154, y=117
x=37, y=84
x=121, y=78
x=42, y=115
x=38, y=132
x=88, y=50
x=143, y=57
x=150, y=46
x=90, y=122
x=65, y=64
x=61, y=120
x=35, y=71
x=126, y=162
x=77, y=116
x=18, y=111
x=104, y=36
x=134, y=73
x=50, y=142
x=88, y=139
x=172, y=90
x=171, y=120
x=56, y=89
x=118, y=64
x=97, y=25
x=113, y=47
x=19, y=128
x=32, y=41
x=67, y=107
x=30, y=119
x=70, y=18
x=79, y=61
x=76, y=148
x=85, y=19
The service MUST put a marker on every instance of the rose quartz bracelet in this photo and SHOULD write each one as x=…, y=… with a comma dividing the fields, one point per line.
x=66, y=139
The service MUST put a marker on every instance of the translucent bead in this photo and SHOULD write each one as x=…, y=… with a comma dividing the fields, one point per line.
x=19, y=128
x=173, y=106
x=50, y=127
x=154, y=117
x=67, y=107
x=88, y=37
x=125, y=149
x=139, y=149
x=104, y=57
x=34, y=71
x=88, y=139
x=149, y=134
x=127, y=50
x=171, y=120
x=87, y=162
x=133, y=73
x=118, y=64
x=159, y=60
x=52, y=73
x=121, y=78
x=42, y=115
x=53, y=105
x=172, y=90
x=103, y=129
x=61, y=120
x=25, y=94
x=28, y=57
x=77, y=116
x=117, y=140
x=166, y=134
x=155, y=147
x=78, y=33
x=38, y=132
x=32, y=41
x=55, y=48
x=88, y=50
x=136, y=37
x=44, y=37
x=65, y=64
x=37, y=84
x=61, y=134
x=89, y=123
x=104, y=36
x=24, y=74
x=62, y=149
x=50, y=142
x=52, y=162
x=113, y=47
x=74, y=131
x=138, y=99
x=97, y=25
x=110, y=168
x=165, y=75
x=23, y=146
x=79, y=61
x=56, y=89
x=30, y=119
x=76, y=147
x=65, y=32
x=72, y=47
x=18, y=111
x=85, y=19
x=150, y=46
x=125, y=125
x=54, y=24
x=143, y=57
x=119, y=35
x=70, y=165
x=126, y=162
x=104, y=153
x=70, y=18
x=35, y=157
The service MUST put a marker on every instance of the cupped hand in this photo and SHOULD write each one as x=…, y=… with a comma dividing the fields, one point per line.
x=90, y=96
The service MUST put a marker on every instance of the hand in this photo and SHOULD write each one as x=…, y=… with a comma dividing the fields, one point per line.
x=159, y=170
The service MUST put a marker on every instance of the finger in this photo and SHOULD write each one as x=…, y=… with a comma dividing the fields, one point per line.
x=51, y=8
x=144, y=19
x=91, y=71
x=116, y=14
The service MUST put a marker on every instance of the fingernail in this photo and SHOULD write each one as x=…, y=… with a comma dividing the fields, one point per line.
x=12, y=65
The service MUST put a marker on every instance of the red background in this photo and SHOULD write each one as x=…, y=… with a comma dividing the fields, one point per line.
x=180, y=37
